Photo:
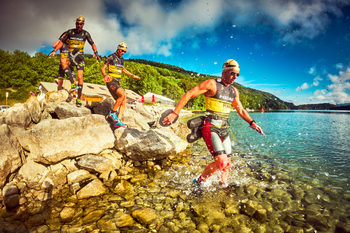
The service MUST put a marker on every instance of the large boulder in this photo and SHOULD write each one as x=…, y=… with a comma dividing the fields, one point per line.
x=138, y=117
x=10, y=153
x=31, y=172
x=94, y=163
x=23, y=136
x=34, y=108
x=151, y=144
x=17, y=116
x=93, y=189
x=104, y=107
x=65, y=110
x=55, y=140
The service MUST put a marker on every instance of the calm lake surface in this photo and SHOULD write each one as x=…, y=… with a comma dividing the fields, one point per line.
x=309, y=145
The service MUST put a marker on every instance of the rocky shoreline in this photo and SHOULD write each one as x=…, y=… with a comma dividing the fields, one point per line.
x=89, y=178
x=51, y=145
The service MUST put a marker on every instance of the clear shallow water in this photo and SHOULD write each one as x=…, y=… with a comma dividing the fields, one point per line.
x=309, y=145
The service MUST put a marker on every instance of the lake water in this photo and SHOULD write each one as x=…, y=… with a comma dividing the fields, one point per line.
x=309, y=145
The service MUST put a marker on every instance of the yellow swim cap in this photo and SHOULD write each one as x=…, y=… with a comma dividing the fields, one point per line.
x=231, y=64
x=80, y=19
x=122, y=46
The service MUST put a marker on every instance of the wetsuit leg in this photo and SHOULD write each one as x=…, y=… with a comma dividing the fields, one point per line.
x=80, y=90
x=212, y=140
x=69, y=74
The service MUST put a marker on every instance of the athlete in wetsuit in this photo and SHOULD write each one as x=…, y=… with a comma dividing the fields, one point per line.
x=77, y=38
x=64, y=53
x=115, y=64
x=219, y=96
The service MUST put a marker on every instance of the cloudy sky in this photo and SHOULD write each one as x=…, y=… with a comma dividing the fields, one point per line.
x=295, y=49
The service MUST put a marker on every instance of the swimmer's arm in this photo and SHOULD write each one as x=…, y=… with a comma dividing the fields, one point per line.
x=125, y=71
x=106, y=78
x=236, y=103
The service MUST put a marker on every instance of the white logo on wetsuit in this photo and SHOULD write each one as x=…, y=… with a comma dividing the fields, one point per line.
x=226, y=97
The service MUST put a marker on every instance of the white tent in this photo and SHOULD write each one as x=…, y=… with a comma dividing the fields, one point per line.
x=158, y=99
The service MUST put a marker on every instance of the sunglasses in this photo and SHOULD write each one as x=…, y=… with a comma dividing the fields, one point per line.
x=79, y=23
x=233, y=73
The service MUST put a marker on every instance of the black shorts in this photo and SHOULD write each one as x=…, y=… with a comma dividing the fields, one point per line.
x=113, y=86
x=61, y=72
x=77, y=59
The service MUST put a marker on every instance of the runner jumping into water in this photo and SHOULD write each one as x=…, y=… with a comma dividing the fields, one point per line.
x=77, y=37
x=115, y=64
x=219, y=95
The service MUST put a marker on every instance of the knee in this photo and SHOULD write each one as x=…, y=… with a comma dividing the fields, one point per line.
x=222, y=164
x=64, y=62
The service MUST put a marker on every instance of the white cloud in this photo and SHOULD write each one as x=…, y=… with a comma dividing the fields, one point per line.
x=312, y=70
x=337, y=92
x=150, y=28
x=339, y=66
x=302, y=87
x=316, y=81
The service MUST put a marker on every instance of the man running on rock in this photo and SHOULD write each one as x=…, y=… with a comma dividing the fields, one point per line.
x=64, y=53
x=115, y=64
x=77, y=37
x=219, y=96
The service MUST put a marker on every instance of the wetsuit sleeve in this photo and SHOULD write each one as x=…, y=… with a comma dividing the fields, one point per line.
x=88, y=37
x=64, y=38
x=108, y=59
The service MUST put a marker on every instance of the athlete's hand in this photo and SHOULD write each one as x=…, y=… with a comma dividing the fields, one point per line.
x=52, y=53
x=257, y=128
x=107, y=78
x=169, y=119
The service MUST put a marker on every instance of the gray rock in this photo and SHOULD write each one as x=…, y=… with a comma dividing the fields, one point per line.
x=144, y=145
x=94, y=163
x=9, y=190
x=34, y=109
x=30, y=172
x=78, y=176
x=93, y=189
x=104, y=107
x=93, y=216
x=144, y=215
x=65, y=110
x=57, y=96
x=45, y=115
x=10, y=155
x=123, y=220
x=67, y=214
x=55, y=140
x=11, y=201
x=138, y=117
x=23, y=136
x=17, y=116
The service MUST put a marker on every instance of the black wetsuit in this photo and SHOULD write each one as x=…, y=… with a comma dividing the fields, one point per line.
x=115, y=70
x=77, y=41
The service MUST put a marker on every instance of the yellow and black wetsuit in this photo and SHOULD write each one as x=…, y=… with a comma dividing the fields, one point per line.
x=115, y=70
x=76, y=42
x=214, y=130
x=63, y=53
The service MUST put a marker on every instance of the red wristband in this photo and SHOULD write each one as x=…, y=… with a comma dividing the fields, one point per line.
x=174, y=112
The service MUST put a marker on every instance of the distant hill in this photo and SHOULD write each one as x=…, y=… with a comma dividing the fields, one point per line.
x=23, y=72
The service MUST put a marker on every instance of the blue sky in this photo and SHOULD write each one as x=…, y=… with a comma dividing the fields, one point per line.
x=297, y=50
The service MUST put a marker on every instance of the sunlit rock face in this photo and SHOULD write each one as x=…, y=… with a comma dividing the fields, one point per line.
x=55, y=140
x=151, y=144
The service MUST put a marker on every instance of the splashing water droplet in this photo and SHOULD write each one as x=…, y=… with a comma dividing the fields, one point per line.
x=234, y=25
x=215, y=62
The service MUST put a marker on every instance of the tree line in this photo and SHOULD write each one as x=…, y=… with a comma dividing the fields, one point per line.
x=22, y=72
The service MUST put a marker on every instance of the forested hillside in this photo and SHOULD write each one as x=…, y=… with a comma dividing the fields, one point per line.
x=21, y=72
